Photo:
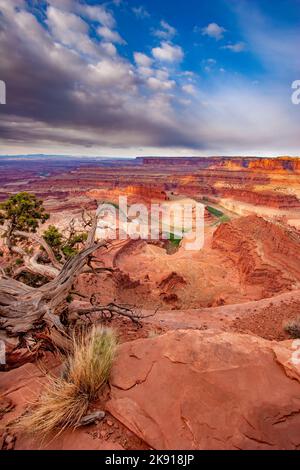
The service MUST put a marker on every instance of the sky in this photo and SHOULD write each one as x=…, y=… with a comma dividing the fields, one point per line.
x=149, y=77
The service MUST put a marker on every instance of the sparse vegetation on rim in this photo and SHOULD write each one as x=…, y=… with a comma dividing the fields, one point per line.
x=292, y=327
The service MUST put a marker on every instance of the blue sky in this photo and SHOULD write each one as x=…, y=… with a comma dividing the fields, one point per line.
x=150, y=77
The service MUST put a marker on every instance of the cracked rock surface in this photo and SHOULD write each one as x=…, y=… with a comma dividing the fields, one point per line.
x=191, y=389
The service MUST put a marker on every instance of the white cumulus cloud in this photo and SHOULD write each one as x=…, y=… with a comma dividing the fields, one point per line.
x=189, y=88
x=142, y=59
x=238, y=47
x=110, y=35
x=168, y=52
x=166, y=31
x=213, y=30
x=97, y=13
x=141, y=12
x=160, y=85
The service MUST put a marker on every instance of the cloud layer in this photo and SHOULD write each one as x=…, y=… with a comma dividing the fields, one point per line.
x=71, y=88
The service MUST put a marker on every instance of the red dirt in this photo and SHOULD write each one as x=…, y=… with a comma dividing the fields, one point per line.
x=268, y=322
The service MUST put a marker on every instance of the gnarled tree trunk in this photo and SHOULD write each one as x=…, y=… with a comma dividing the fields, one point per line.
x=35, y=318
x=25, y=312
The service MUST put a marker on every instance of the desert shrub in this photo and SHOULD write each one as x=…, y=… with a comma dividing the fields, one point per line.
x=66, y=399
x=292, y=327
x=53, y=237
x=69, y=251
x=69, y=247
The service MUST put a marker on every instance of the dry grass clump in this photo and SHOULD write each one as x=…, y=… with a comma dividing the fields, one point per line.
x=292, y=327
x=66, y=399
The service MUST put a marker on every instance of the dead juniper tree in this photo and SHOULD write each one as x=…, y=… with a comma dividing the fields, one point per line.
x=37, y=318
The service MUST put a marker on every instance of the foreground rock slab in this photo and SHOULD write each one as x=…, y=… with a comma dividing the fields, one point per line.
x=192, y=389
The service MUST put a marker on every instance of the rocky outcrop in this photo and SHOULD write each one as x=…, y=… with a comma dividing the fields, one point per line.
x=172, y=282
x=138, y=192
x=282, y=164
x=265, y=253
x=262, y=198
x=234, y=162
x=205, y=390
x=169, y=287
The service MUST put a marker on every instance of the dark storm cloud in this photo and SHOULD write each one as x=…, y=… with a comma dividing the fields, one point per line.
x=85, y=86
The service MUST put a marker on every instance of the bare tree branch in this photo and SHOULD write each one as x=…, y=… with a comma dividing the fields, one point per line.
x=115, y=309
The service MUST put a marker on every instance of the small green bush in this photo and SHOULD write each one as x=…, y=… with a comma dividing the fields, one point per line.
x=292, y=328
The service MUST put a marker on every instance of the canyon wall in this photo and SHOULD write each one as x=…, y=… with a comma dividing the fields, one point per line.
x=266, y=254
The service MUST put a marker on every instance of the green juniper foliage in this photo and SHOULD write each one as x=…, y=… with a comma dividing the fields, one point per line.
x=23, y=211
x=59, y=244
x=53, y=237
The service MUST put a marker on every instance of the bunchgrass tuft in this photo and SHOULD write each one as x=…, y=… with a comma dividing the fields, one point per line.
x=65, y=400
